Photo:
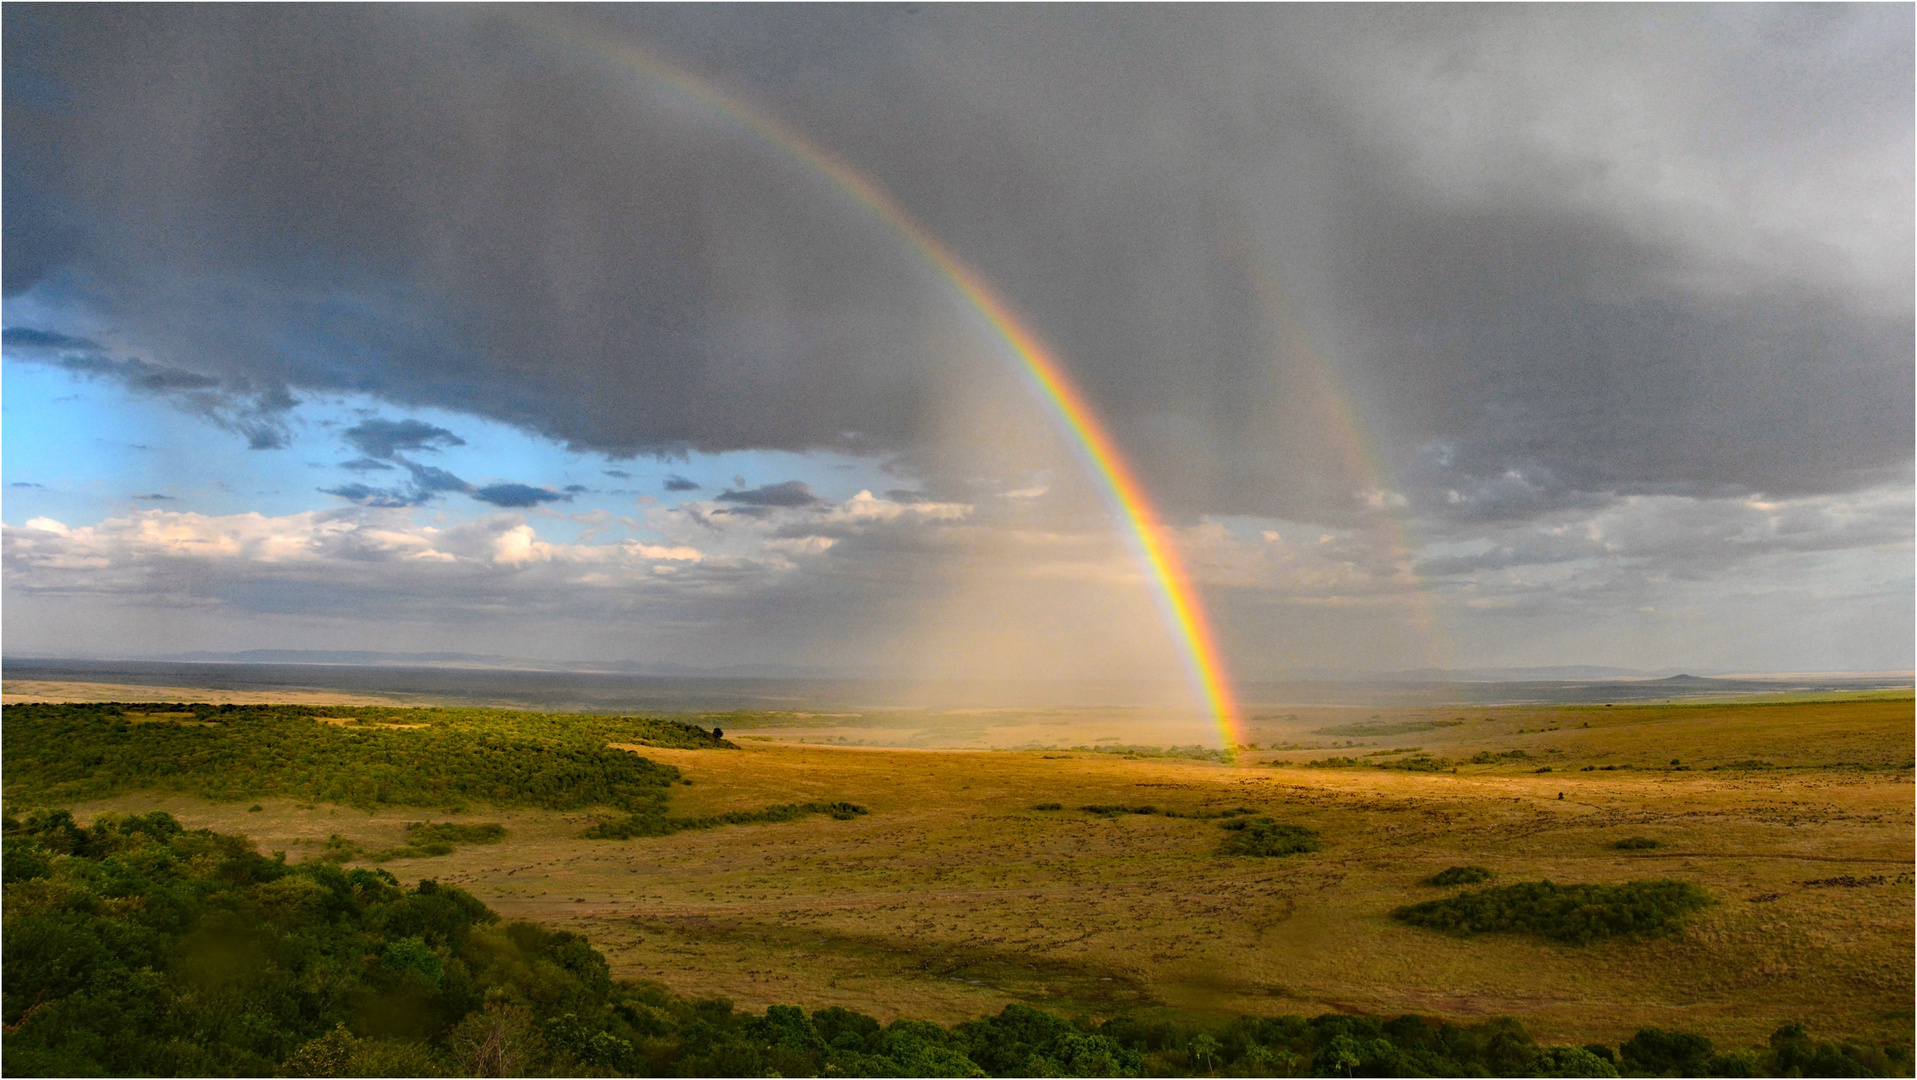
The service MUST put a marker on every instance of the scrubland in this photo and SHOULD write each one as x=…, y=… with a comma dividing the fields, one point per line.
x=954, y=897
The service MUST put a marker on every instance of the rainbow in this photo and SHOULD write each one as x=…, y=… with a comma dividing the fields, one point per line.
x=1171, y=583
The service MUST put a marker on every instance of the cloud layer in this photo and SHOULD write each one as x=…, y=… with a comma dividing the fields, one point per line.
x=1426, y=327
x=1618, y=252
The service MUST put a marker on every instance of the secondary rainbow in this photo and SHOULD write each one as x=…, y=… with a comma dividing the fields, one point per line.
x=1171, y=583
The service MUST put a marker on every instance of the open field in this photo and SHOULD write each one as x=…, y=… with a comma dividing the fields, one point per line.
x=954, y=897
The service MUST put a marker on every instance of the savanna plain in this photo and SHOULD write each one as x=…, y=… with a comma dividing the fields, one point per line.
x=840, y=861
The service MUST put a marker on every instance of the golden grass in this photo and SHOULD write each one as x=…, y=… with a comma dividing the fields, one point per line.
x=954, y=898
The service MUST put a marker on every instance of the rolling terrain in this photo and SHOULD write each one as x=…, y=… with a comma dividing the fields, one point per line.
x=954, y=896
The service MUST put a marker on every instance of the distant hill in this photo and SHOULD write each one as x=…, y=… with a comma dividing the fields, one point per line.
x=359, y=658
x=499, y=662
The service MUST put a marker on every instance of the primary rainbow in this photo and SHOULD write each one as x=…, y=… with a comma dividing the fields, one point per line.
x=1171, y=584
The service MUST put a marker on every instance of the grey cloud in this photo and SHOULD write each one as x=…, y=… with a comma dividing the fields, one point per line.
x=1676, y=534
x=427, y=482
x=378, y=438
x=25, y=484
x=1241, y=228
x=387, y=498
x=432, y=480
x=154, y=497
x=27, y=337
x=237, y=403
x=675, y=482
x=790, y=494
x=516, y=495
x=365, y=464
x=620, y=474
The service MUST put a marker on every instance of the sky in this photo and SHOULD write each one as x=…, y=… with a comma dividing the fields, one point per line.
x=1453, y=337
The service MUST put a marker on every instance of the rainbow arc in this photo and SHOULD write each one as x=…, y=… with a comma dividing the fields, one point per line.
x=1170, y=581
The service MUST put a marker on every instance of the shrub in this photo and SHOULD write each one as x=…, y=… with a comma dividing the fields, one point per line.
x=1049, y=806
x=1460, y=875
x=660, y=825
x=1571, y=1061
x=420, y=832
x=1573, y=913
x=1265, y=837
x=1637, y=843
x=1660, y=1052
x=1420, y=763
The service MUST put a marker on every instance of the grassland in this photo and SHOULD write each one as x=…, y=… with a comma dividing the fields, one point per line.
x=954, y=897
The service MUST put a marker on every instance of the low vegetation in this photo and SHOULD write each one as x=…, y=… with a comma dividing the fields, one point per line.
x=1573, y=913
x=1637, y=843
x=1266, y=837
x=361, y=757
x=1416, y=763
x=370, y=756
x=1460, y=875
x=1378, y=727
x=660, y=825
x=136, y=946
x=1120, y=809
x=1193, y=753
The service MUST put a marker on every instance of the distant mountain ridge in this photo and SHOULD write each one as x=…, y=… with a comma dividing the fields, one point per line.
x=1553, y=673
x=497, y=661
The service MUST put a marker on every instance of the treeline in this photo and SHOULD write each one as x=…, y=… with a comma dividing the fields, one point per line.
x=445, y=757
x=135, y=946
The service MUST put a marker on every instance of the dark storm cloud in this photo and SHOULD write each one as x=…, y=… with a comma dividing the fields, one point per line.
x=675, y=482
x=27, y=337
x=385, y=438
x=790, y=494
x=1589, y=252
x=235, y=403
x=516, y=495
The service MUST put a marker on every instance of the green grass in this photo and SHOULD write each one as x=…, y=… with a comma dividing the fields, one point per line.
x=1572, y=913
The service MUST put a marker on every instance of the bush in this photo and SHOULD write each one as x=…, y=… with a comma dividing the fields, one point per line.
x=1265, y=837
x=1637, y=843
x=1460, y=875
x=1662, y=1053
x=1573, y=913
x=420, y=832
x=660, y=825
